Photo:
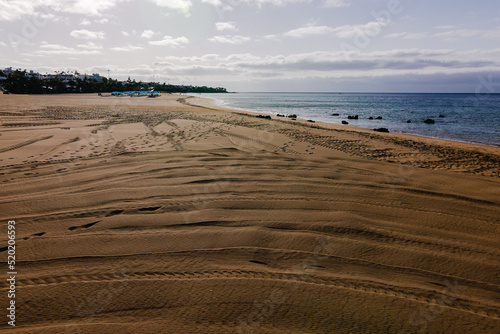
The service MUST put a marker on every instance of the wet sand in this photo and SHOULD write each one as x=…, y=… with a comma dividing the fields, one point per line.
x=173, y=215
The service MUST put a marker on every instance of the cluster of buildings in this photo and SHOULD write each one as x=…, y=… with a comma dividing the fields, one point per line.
x=65, y=76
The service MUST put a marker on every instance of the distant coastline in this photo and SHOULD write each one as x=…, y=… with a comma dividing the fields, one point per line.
x=30, y=82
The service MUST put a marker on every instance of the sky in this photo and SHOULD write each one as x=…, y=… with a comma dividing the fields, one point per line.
x=263, y=45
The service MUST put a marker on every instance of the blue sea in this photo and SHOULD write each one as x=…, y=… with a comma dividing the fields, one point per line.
x=467, y=117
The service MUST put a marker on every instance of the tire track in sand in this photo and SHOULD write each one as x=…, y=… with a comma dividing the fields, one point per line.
x=368, y=287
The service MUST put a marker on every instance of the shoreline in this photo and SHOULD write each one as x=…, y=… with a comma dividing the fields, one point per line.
x=212, y=105
x=215, y=102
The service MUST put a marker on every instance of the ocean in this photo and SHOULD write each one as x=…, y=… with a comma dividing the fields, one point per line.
x=464, y=117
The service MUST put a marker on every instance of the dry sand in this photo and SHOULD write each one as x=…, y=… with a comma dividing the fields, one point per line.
x=140, y=215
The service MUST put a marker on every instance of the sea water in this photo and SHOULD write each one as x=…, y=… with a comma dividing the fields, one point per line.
x=469, y=118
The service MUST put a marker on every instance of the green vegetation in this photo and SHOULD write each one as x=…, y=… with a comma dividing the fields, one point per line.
x=19, y=82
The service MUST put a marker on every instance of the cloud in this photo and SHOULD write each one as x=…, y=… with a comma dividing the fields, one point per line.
x=372, y=28
x=446, y=27
x=213, y=2
x=85, y=23
x=15, y=9
x=90, y=46
x=259, y=3
x=308, y=31
x=171, y=41
x=180, y=5
x=102, y=21
x=229, y=39
x=269, y=38
x=148, y=34
x=220, y=26
x=396, y=35
x=336, y=3
x=127, y=48
x=57, y=49
x=83, y=7
x=469, y=33
x=335, y=64
x=87, y=34
x=228, y=5
x=407, y=35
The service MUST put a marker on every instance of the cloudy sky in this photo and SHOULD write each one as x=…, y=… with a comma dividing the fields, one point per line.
x=262, y=45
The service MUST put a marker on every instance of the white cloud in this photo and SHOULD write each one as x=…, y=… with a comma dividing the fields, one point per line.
x=102, y=21
x=85, y=7
x=147, y=34
x=416, y=35
x=308, y=31
x=446, y=27
x=259, y=3
x=228, y=5
x=334, y=64
x=171, y=41
x=87, y=34
x=12, y=10
x=336, y=3
x=220, y=26
x=125, y=33
x=229, y=39
x=213, y=2
x=372, y=28
x=57, y=49
x=222, y=5
x=407, y=35
x=469, y=33
x=127, y=48
x=180, y=5
x=270, y=38
x=15, y=9
x=396, y=35
x=85, y=23
x=90, y=46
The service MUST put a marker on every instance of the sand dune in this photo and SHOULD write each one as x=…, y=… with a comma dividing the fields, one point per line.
x=169, y=216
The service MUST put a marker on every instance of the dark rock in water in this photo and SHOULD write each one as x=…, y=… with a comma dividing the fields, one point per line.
x=280, y=115
x=263, y=116
x=380, y=117
x=408, y=121
x=311, y=121
x=292, y=116
x=429, y=121
x=335, y=114
x=352, y=117
x=442, y=116
x=345, y=122
x=381, y=130
x=370, y=117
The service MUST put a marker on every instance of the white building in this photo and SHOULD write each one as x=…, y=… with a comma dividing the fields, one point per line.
x=32, y=74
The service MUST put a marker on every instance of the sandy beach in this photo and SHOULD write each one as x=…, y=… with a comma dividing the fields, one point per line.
x=174, y=215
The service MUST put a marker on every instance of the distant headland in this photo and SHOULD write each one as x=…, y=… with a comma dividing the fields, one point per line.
x=21, y=81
